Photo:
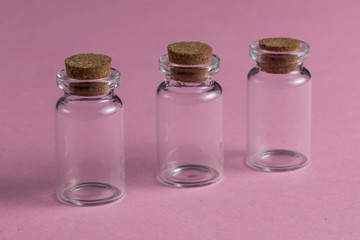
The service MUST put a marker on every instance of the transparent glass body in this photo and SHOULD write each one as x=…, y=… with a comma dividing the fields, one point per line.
x=89, y=144
x=278, y=113
x=189, y=125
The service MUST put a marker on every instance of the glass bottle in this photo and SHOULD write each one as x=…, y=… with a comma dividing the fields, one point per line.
x=89, y=140
x=189, y=124
x=278, y=108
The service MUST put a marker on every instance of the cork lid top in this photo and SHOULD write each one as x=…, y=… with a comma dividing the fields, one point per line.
x=88, y=66
x=279, y=44
x=189, y=53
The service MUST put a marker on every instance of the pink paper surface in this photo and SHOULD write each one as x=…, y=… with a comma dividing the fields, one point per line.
x=320, y=202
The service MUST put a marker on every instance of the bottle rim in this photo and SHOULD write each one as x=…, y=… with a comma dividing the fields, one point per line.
x=301, y=54
x=64, y=82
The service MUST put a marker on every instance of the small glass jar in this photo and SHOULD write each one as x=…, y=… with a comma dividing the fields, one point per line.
x=278, y=110
x=189, y=124
x=89, y=141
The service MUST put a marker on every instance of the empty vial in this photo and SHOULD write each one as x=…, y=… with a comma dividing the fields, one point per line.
x=89, y=132
x=279, y=106
x=189, y=117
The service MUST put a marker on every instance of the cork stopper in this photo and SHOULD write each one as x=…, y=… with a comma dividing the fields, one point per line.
x=189, y=53
x=279, y=44
x=279, y=63
x=88, y=66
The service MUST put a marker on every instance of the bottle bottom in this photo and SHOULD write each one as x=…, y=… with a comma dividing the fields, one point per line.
x=278, y=160
x=189, y=176
x=90, y=194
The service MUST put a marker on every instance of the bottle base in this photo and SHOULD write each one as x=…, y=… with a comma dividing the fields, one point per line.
x=189, y=176
x=90, y=194
x=278, y=160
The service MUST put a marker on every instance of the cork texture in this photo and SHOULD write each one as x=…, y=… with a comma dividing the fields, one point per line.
x=189, y=53
x=88, y=88
x=191, y=74
x=279, y=44
x=88, y=66
x=279, y=63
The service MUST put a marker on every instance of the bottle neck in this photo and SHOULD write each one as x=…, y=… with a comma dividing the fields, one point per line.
x=276, y=65
x=175, y=82
x=90, y=89
x=189, y=75
x=108, y=95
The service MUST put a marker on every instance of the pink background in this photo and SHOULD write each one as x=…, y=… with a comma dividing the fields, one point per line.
x=321, y=202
